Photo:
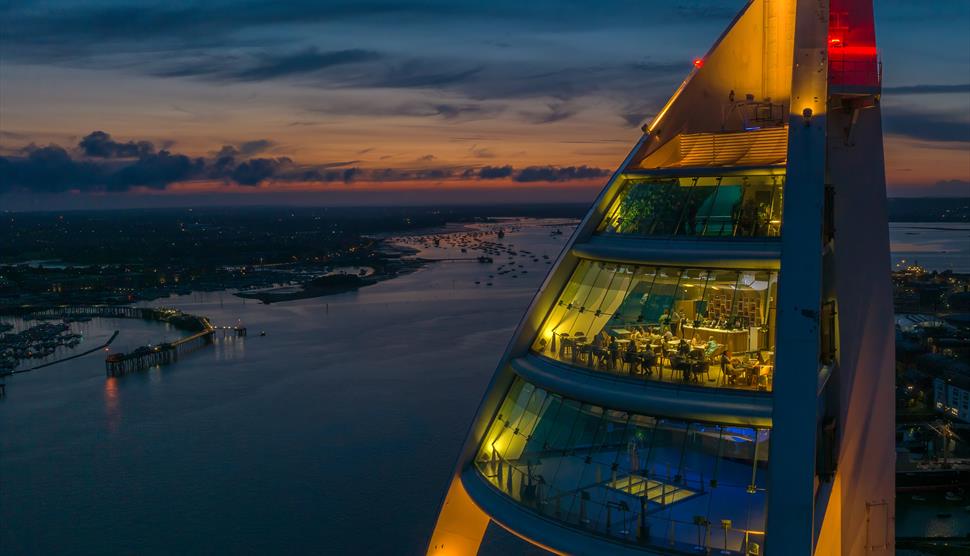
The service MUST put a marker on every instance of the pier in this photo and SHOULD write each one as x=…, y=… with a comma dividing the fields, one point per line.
x=144, y=357
x=119, y=364
x=107, y=311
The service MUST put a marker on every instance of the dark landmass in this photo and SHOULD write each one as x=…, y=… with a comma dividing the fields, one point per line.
x=118, y=257
x=929, y=209
x=333, y=283
x=124, y=256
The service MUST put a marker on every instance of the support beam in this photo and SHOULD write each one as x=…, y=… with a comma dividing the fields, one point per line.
x=791, y=501
x=461, y=524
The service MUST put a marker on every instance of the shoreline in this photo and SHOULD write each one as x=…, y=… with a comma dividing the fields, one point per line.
x=398, y=260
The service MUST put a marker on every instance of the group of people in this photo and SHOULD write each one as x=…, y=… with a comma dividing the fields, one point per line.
x=643, y=352
x=646, y=349
x=674, y=322
x=737, y=372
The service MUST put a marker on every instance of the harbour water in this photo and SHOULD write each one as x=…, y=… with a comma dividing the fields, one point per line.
x=935, y=246
x=335, y=433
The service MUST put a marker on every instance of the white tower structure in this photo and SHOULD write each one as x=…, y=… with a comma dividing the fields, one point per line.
x=708, y=368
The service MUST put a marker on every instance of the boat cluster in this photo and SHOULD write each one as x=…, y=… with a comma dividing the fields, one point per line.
x=488, y=245
x=36, y=342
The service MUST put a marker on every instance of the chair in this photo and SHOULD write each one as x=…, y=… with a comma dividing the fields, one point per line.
x=728, y=373
x=698, y=366
x=647, y=361
x=680, y=363
x=566, y=345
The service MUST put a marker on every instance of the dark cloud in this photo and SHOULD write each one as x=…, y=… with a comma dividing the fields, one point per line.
x=494, y=172
x=48, y=169
x=56, y=29
x=109, y=165
x=257, y=170
x=63, y=29
x=265, y=66
x=419, y=74
x=926, y=126
x=256, y=146
x=559, y=173
x=555, y=112
x=927, y=89
x=307, y=61
x=99, y=144
x=443, y=110
x=156, y=171
x=52, y=169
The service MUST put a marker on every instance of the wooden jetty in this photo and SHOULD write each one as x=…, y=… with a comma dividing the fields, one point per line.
x=145, y=357
x=118, y=364
x=104, y=311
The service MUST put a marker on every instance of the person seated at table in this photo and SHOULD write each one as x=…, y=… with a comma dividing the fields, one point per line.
x=630, y=355
x=613, y=348
x=697, y=341
x=599, y=340
x=760, y=358
x=698, y=364
x=668, y=336
x=648, y=360
x=710, y=346
x=680, y=363
x=730, y=367
x=635, y=335
x=683, y=347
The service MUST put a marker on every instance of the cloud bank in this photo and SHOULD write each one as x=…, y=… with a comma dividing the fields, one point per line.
x=100, y=163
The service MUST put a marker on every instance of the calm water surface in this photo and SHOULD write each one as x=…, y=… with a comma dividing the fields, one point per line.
x=333, y=434
x=935, y=246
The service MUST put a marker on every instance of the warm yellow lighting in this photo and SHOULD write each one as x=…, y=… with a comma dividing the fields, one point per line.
x=461, y=525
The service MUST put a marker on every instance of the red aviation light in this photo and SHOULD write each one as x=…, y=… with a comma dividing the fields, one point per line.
x=698, y=62
x=835, y=41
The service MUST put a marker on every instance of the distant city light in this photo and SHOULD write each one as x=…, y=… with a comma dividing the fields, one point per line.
x=698, y=62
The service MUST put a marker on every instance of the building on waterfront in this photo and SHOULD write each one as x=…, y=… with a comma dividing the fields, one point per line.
x=709, y=366
x=951, y=396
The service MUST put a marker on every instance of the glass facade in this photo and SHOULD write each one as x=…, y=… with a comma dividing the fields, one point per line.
x=705, y=327
x=725, y=206
x=644, y=480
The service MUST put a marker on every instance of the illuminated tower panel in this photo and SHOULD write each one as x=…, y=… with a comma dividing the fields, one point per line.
x=708, y=366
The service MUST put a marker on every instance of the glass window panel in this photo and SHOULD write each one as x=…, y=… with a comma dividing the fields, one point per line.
x=722, y=206
x=703, y=327
x=634, y=478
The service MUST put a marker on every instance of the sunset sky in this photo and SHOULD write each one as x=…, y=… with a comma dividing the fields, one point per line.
x=222, y=102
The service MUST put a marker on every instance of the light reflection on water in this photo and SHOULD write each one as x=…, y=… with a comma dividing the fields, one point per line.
x=936, y=246
x=112, y=412
x=335, y=433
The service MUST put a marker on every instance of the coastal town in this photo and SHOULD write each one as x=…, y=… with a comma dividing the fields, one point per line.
x=932, y=404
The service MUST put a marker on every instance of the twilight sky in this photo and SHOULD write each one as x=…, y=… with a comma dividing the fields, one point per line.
x=107, y=103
